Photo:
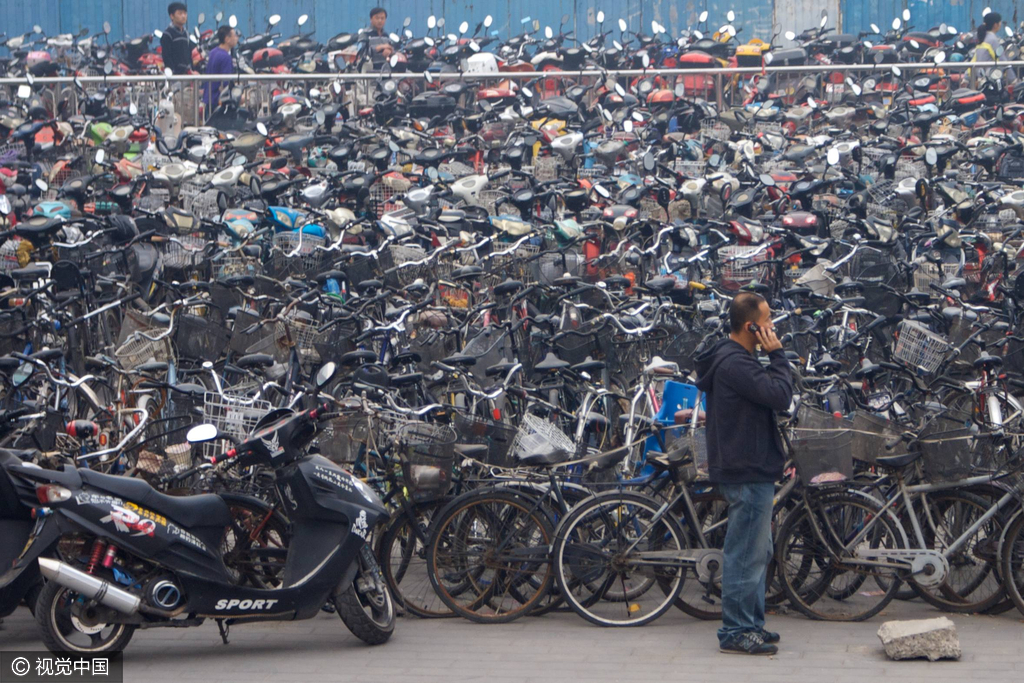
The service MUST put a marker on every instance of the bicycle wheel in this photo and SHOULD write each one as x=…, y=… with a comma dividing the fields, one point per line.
x=488, y=557
x=703, y=599
x=255, y=545
x=1011, y=560
x=973, y=584
x=615, y=563
x=402, y=555
x=813, y=566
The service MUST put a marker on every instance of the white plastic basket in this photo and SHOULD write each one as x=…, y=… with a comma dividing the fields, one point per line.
x=919, y=348
x=537, y=435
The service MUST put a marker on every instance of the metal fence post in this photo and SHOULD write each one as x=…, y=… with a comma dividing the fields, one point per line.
x=720, y=100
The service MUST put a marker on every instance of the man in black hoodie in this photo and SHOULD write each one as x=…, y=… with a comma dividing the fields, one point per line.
x=745, y=459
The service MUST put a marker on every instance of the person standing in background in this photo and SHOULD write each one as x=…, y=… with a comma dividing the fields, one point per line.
x=380, y=43
x=175, y=46
x=219, y=62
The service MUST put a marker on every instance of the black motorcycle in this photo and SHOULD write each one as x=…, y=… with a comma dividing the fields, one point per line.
x=132, y=557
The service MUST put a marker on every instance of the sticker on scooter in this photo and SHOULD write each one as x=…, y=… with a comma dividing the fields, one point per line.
x=360, y=526
x=244, y=605
x=128, y=522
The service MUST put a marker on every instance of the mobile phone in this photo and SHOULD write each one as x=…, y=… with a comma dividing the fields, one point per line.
x=753, y=328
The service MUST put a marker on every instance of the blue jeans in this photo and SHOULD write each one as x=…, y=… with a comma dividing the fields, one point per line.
x=748, y=549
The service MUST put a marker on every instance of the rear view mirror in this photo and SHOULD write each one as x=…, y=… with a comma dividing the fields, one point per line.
x=931, y=157
x=325, y=374
x=302, y=20
x=106, y=27
x=548, y=33
x=41, y=185
x=218, y=17
x=255, y=186
x=790, y=35
x=101, y=156
x=730, y=16
x=201, y=19
x=233, y=21
x=600, y=17
x=767, y=180
x=488, y=20
x=703, y=16
x=896, y=24
x=649, y=162
x=274, y=20
x=261, y=128
x=832, y=157
x=5, y=205
x=203, y=433
x=906, y=15
x=464, y=26
x=622, y=25
x=875, y=29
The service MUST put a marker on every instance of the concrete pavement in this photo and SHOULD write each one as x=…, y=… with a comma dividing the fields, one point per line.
x=556, y=647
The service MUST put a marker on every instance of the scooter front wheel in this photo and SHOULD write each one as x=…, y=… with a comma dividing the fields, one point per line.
x=70, y=623
x=370, y=615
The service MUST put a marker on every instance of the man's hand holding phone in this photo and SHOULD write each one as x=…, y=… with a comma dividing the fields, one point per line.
x=767, y=339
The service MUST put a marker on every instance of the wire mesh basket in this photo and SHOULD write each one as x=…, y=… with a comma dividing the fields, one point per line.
x=886, y=213
x=9, y=255
x=822, y=457
x=139, y=349
x=296, y=253
x=871, y=435
x=712, y=129
x=344, y=438
x=537, y=435
x=514, y=263
x=652, y=210
x=546, y=169
x=11, y=151
x=495, y=201
x=909, y=168
x=576, y=348
x=456, y=169
x=428, y=458
x=402, y=254
x=192, y=188
x=233, y=413
x=768, y=127
x=497, y=436
x=738, y=264
x=919, y=348
x=205, y=205
x=185, y=251
x=952, y=450
x=929, y=273
x=818, y=279
x=230, y=265
x=550, y=267
x=690, y=169
x=200, y=338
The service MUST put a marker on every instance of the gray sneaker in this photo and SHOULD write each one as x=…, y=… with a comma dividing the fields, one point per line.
x=749, y=643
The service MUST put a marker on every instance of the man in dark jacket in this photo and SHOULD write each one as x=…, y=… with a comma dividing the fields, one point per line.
x=746, y=457
x=175, y=46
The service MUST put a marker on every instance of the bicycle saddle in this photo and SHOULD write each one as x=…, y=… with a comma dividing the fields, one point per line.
x=547, y=457
x=588, y=365
x=256, y=360
x=358, y=357
x=507, y=288
x=460, y=359
x=660, y=285
x=896, y=462
x=499, y=369
x=551, y=363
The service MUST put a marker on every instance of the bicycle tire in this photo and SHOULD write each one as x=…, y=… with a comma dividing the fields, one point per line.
x=842, y=513
x=479, y=590
x=578, y=541
x=402, y=572
x=1011, y=561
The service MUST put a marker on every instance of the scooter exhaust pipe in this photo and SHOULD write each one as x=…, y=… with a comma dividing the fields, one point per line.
x=89, y=586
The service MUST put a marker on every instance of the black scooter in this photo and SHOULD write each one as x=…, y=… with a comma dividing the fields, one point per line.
x=18, y=585
x=133, y=557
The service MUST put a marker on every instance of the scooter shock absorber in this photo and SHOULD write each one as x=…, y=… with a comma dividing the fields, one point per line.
x=97, y=555
x=108, y=559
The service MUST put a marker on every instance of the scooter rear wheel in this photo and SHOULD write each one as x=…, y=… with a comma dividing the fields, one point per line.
x=66, y=625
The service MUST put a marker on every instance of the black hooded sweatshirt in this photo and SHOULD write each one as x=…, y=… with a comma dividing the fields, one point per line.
x=744, y=444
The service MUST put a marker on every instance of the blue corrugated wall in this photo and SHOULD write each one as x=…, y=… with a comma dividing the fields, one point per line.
x=327, y=17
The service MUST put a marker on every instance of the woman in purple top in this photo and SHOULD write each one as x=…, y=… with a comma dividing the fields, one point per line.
x=219, y=62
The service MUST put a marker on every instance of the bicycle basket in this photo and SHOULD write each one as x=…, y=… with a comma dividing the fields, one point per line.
x=199, y=338
x=428, y=459
x=919, y=348
x=537, y=435
x=497, y=436
x=871, y=435
x=737, y=269
x=344, y=437
x=138, y=350
x=822, y=457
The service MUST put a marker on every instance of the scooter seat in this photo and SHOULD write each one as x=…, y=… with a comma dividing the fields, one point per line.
x=206, y=510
